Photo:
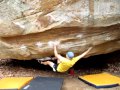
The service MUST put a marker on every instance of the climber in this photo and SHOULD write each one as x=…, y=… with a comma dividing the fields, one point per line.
x=64, y=64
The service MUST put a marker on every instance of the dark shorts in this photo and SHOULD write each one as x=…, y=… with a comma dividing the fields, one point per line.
x=55, y=66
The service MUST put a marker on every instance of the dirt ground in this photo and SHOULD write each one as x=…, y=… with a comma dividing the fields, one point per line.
x=96, y=64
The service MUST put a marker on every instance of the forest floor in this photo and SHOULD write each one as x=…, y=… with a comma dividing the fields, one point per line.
x=96, y=64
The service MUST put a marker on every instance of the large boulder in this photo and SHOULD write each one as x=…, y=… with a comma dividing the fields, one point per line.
x=27, y=27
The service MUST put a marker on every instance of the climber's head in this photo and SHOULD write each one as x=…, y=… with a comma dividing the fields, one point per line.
x=69, y=55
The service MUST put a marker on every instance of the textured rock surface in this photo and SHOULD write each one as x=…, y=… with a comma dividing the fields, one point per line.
x=27, y=27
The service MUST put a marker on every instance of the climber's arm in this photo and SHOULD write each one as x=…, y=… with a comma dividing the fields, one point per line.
x=74, y=60
x=58, y=56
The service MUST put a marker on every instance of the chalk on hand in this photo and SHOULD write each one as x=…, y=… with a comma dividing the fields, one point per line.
x=51, y=43
x=56, y=42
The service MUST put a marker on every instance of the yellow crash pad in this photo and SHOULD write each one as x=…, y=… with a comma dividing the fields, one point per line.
x=14, y=82
x=101, y=80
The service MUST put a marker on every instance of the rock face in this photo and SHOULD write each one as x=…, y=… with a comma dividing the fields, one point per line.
x=28, y=26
